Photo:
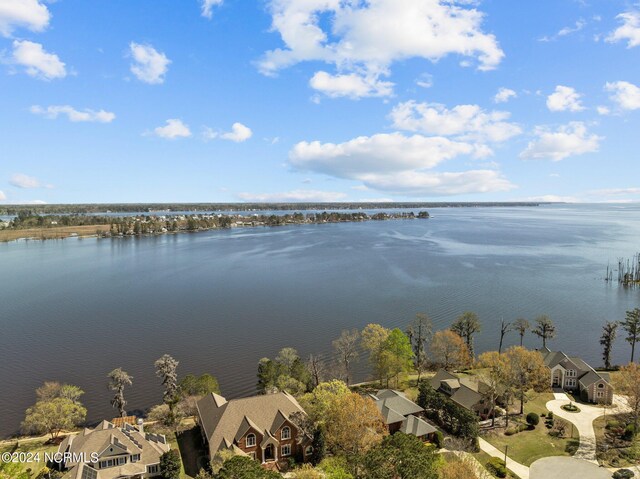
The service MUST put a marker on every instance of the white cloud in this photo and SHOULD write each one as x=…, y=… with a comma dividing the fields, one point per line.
x=603, y=110
x=238, y=133
x=396, y=163
x=579, y=25
x=207, y=7
x=174, y=128
x=629, y=31
x=552, y=199
x=150, y=66
x=504, y=95
x=37, y=62
x=52, y=112
x=368, y=37
x=616, y=191
x=20, y=180
x=293, y=196
x=467, y=122
x=30, y=14
x=2, y=196
x=568, y=140
x=425, y=80
x=625, y=94
x=350, y=85
x=564, y=99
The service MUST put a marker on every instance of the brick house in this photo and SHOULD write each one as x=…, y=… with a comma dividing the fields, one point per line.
x=260, y=427
x=574, y=375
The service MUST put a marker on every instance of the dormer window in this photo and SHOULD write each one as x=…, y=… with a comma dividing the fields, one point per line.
x=251, y=440
x=600, y=386
x=286, y=433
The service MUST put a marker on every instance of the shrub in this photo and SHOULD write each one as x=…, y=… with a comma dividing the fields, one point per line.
x=533, y=419
x=170, y=464
x=613, y=424
x=522, y=427
x=497, y=467
x=306, y=471
x=623, y=474
x=629, y=432
x=438, y=439
x=570, y=407
x=511, y=431
x=550, y=415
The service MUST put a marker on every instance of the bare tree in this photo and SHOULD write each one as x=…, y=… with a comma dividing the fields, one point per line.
x=346, y=347
x=522, y=326
x=504, y=329
x=317, y=368
x=118, y=379
x=631, y=325
x=465, y=326
x=544, y=329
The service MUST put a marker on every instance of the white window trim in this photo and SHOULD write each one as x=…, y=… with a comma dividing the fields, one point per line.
x=282, y=450
x=288, y=429
x=599, y=394
x=253, y=438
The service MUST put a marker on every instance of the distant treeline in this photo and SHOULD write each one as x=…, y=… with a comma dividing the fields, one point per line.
x=202, y=207
x=159, y=223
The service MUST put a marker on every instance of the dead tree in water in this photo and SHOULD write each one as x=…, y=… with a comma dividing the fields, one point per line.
x=628, y=271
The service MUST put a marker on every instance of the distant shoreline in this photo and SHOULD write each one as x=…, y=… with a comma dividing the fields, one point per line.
x=155, y=225
x=93, y=208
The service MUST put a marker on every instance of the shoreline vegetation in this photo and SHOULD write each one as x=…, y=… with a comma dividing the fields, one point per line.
x=30, y=226
x=44, y=222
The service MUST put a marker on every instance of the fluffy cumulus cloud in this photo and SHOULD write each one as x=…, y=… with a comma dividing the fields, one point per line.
x=207, y=7
x=174, y=128
x=368, y=37
x=149, y=65
x=629, y=31
x=293, y=196
x=238, y=133
x=20, y=180
x=625, y=94
x=504, y=95
x=30, y=14
x=568, y=140
x=398, y=164
x=350, y=85
x=36, y=61
x=54, y=111
x=565, y=99
x=466, y=122
x=2, y=196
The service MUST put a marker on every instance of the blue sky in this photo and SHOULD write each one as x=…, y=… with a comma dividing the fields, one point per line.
x=319, y=100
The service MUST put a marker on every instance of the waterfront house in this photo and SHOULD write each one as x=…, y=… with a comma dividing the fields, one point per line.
x=574, y=375
x=261, y=427
x=467, y=391
x=402, y=414
x=126, y=452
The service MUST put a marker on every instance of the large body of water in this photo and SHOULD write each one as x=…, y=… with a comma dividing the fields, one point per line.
x=218, y=301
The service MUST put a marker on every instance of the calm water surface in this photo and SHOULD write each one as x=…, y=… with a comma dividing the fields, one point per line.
x=75, y=309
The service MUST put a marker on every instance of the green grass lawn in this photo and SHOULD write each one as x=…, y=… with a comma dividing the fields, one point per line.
x=528, y=446
x=33, y=447
x=483, y=458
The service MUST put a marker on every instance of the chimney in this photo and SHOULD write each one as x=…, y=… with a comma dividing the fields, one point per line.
x=141, y=425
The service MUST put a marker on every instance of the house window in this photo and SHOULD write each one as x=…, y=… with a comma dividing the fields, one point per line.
x=600, y=386
x=135, y=458
x=153, y=469
x=286, y=450
x=121, y=461
x=600, y=394
x=251, y=440
x=571, y=373
x=286, y=433
x=308, y=450
x=570, y=383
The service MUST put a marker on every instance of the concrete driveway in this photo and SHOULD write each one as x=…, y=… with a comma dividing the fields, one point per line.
x=566, y=468
x=583, y=421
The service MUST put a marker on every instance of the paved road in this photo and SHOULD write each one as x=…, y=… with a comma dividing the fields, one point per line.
x=521, y=470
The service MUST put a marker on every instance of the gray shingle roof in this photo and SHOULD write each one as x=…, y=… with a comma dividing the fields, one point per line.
x=440, y=376
x=397, y=401
x=416, y=426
